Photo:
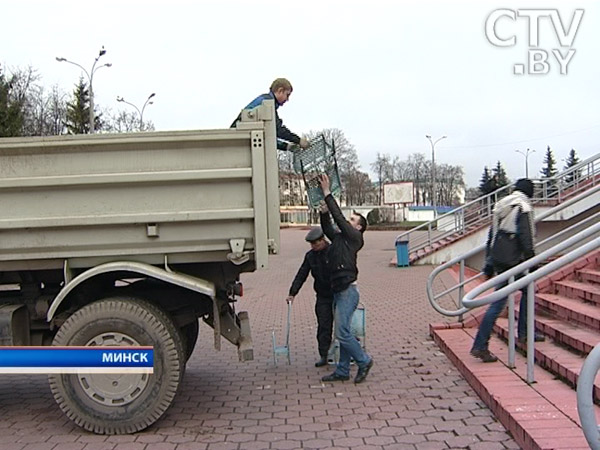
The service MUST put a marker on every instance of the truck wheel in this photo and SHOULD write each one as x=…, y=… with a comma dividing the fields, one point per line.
x=189, y=336
x=120, y=403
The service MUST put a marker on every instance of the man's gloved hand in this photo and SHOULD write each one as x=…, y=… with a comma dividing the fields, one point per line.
x=289, y=299
x=488, y=270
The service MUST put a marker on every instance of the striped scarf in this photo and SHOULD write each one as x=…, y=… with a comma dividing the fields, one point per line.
x=507, y=211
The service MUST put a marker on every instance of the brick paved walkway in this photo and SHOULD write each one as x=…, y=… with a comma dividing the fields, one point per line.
x=414, y=398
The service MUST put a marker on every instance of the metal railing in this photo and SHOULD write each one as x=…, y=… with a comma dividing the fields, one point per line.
x=477, y=213
x=470, y=300
x=433, y=297
x=585, y=398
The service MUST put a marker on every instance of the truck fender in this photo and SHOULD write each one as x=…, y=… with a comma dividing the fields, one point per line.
x=186, y=281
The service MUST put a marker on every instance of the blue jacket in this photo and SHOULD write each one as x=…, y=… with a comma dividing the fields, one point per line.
x=283, y=133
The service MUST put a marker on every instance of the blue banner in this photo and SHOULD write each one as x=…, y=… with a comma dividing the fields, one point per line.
x=74, y=359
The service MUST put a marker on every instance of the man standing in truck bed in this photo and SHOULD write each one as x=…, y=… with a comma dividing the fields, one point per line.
x=343, y=250
x=280, y=91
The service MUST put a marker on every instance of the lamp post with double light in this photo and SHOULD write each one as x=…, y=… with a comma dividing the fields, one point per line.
x=526, y=155
x=140, y=111
x=90, y=76
x=433, y=184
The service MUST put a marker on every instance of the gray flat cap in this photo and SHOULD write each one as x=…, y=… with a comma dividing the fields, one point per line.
x=314, y=234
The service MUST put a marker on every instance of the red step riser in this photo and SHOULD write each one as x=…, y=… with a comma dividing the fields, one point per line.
x=568, y=315
x=550, y=364
x=589, y=277
x=577, y=293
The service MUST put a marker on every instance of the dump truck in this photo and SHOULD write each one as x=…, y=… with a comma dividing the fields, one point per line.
x=134, y=239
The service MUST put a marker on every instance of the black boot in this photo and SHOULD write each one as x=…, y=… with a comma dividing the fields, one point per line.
x=322, y=362
x=363, y=372
x=335, y=377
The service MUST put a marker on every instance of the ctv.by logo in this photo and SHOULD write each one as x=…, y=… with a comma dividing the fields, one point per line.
x=538, y=59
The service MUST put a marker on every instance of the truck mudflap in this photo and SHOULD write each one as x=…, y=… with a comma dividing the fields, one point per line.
x=233, y=327
x=245, y=350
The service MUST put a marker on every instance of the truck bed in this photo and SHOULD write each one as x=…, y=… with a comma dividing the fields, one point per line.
x=180, y=196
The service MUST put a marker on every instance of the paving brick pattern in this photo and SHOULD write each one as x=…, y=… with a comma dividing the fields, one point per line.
x=414, y=398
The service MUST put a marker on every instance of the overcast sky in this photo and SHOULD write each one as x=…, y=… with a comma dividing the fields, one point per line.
x=385, y=72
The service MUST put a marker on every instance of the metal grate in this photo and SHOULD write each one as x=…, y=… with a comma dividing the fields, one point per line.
x=318, y=158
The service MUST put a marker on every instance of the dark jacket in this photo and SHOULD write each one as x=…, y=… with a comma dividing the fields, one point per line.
x=511, y=236
x=344, y=247
x=283, y=133
x=314, y=263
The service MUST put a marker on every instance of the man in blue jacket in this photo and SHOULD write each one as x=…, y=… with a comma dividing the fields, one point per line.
x=343, y=250
x=280, y=91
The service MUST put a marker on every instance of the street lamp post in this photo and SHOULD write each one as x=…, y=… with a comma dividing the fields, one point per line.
x=90, y=76
x=526, y=155
x=140, y=112
x=433, y=184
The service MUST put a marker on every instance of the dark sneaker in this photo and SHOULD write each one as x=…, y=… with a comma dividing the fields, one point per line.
x=363, y=372
x=484, y=355
x=335, y=377
x=322, y=362
x=539, y=337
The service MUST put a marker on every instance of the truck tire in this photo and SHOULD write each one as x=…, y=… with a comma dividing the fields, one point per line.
x=120, y=403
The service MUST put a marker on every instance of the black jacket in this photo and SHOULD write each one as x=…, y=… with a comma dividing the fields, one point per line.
x=344, y=247
x=513, y=219
x=314, y=263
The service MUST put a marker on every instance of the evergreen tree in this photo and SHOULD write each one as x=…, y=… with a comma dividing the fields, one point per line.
x=549, y=188
x=11, y=110
x=549, y=170
x=500, y=179
x=78, y=110
x=572, y=161
x=485, y=184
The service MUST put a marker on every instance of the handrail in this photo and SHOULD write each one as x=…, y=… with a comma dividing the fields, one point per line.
x=477, y=213
x=476, y=250
x=470, y=301
x=585, y=398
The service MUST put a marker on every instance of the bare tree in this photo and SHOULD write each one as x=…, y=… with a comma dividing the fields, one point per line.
x=381, y=166
x=418, y=171
x=285, y=160
x=345, y=152
x=125, y=122
x=451, y=184
x=346, y=156
x=57, y=111
x=41, y=113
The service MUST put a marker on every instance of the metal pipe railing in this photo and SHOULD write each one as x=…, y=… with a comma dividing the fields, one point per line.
x=585, y=398
x=471, y=301
x=480, y=209
x=432, y=297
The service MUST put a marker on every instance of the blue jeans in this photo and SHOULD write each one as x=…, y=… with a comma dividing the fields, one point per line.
x=344, y=305
x=492, y=313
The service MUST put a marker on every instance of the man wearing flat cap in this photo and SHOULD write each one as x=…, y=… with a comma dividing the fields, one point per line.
x=315, y=263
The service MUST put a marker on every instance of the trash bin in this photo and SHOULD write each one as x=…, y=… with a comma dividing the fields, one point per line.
x=402, y=252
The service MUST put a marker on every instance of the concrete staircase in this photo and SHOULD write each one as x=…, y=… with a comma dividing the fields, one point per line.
x=443, y=243
x=542, y=415
x=464, y=228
